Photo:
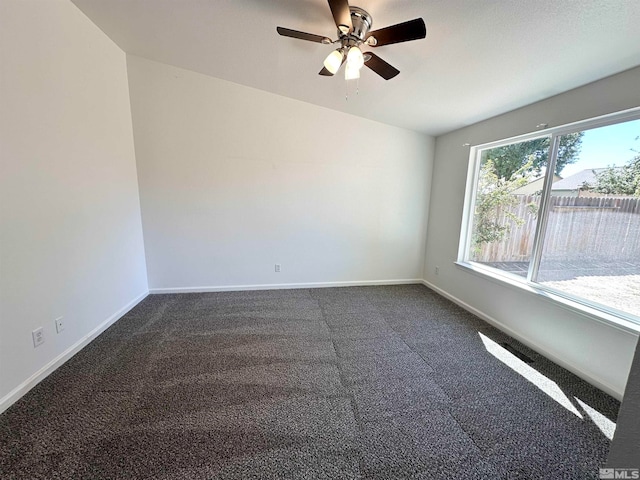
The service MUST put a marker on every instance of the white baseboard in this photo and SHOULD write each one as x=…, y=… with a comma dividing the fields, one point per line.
x=284, y=286
x=50, y=367
x=534, y=346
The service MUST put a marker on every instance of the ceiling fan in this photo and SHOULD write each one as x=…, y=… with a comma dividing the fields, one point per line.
x=354, y=26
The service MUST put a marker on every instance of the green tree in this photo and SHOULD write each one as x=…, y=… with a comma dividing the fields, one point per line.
x=494, y=201
x=509, y=159
x=623, y=180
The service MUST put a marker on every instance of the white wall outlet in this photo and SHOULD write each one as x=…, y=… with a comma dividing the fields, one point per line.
x=437, y=270
x=59, y=324
x=38, y=337
x=278, y=266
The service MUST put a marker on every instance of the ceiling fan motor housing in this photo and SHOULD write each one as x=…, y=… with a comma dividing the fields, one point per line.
x=362, y=23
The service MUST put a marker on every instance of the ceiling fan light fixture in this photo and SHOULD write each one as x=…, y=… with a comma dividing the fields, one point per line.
x=351, y=72
x=333, y=61
x=355, y=59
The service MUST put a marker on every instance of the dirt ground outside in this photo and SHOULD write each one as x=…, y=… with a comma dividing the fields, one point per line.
x=614, y=284
x=620, y=291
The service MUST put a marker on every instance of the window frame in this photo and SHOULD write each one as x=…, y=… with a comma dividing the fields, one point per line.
x=609, y=315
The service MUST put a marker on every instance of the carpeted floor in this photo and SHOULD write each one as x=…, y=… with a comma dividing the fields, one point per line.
x=364, y=382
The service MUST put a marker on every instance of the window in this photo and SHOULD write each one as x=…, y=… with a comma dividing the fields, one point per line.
x=560, y=212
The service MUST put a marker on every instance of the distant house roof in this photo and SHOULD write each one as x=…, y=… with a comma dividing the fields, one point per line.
x=577, y=180
x=534, y=186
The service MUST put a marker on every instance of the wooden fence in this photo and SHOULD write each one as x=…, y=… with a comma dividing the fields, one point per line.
x=579, y=228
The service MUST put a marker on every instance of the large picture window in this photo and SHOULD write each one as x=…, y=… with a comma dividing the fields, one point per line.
x=560, y=211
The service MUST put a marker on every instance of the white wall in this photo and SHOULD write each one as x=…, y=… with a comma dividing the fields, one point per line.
x=625, y=448
x=234, y=180
x=70, y=229
x=599, y=353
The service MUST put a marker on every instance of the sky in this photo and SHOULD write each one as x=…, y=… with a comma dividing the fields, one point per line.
x=605, y=146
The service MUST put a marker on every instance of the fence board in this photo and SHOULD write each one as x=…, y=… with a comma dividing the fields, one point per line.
x=578, y=228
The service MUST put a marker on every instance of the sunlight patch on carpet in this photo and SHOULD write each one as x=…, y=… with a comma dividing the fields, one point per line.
x=543, y=383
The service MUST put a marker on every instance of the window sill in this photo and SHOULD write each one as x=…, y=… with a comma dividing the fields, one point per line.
x=602, y=315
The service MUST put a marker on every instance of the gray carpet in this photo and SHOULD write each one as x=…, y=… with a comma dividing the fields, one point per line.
x=364, y=382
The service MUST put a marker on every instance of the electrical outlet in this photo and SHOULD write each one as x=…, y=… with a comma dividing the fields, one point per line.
x=278, y=266
x=59, y=324
x=437, y=270
x=38, y=337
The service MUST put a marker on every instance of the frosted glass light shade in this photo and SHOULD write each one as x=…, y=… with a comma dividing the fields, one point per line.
x=351, y=73
x=355, y=58
x=333, y=61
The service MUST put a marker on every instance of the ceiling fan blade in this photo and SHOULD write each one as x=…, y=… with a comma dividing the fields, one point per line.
x=341, y=15
x=402, y=32
x=287, y=32
x=381, y=67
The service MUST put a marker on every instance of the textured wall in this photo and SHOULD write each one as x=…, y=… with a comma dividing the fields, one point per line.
x=70, y=228
x=234, y=180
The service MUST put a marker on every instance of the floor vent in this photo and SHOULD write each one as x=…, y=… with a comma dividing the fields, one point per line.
x=515, y=352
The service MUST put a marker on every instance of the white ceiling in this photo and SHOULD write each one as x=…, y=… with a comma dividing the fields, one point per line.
x=480, y=58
